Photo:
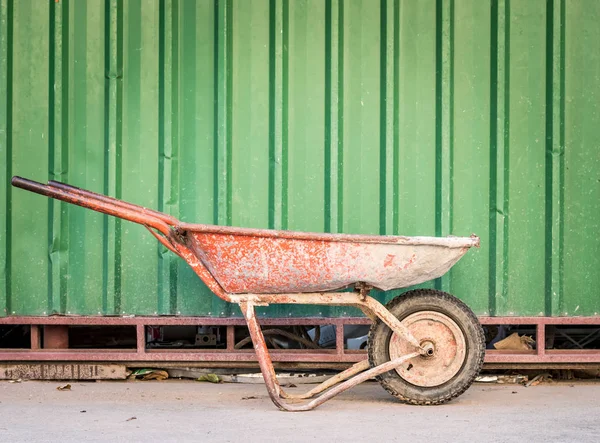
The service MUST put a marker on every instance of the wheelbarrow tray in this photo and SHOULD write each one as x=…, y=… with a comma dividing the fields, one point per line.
x=267, y=261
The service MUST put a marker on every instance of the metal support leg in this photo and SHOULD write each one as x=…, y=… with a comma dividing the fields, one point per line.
x=356, y=368
x=273, y=388
x=262, y=354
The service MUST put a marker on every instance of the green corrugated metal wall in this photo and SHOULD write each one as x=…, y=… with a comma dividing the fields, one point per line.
x=378, y=117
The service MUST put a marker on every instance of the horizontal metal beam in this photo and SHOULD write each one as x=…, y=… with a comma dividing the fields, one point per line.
x=338, y=355
x=492, y=356
x=549, y=356
x=239, y=321
x=177, y=321
x=174, y=355
x=539, y=320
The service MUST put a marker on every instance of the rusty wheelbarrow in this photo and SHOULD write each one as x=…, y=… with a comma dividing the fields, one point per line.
x=425, y=347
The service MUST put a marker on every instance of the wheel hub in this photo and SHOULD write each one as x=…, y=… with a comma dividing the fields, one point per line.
x=443, y=344
x=428, y=348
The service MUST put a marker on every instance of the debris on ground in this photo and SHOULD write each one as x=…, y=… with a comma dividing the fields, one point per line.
x=513, y=379
x=236, y=376
x=502, y=379
x=516, y=342
x=15, y=381
x=131, y=418
x=212, y=378
x=250, y=397
x=538, y=379
x=66, y=387
x=149, y=374
x=486, y=379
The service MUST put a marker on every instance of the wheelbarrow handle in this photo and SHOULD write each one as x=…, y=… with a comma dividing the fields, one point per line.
x=99, y=203
x=170, y=220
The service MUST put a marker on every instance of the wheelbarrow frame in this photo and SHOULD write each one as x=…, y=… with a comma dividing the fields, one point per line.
x=172, y=234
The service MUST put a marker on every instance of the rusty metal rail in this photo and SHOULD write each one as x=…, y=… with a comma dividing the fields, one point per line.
x=142, y=353
x=322, y=357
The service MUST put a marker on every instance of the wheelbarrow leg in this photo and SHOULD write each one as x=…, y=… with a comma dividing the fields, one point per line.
x=356, y=368
x=275, y=391
x=262, y=354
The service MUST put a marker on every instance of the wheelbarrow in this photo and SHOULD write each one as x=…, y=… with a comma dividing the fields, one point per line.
x=425, y=346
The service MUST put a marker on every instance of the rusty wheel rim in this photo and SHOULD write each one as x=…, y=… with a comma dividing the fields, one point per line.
x=445, y=343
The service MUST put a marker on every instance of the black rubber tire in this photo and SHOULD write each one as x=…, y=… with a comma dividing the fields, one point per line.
x=444, y=303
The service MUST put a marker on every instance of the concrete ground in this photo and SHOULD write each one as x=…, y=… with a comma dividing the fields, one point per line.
x=175, y=410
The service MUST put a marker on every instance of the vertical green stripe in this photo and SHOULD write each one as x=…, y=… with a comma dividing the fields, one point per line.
x=449, y=158
x=83, y=145
x=223, y=88
x=549, y=287
x=284, y=113
x=58, y=143
x=53, y=85
x=63, y=158
x=499, y=155
x=111, y=303
x=494, y=163
x=444, y=123
x=438, y=113
x=168, y=138
x=278, y=104
x=561, y=231
x=383, y=61
x=162, y=277
x=334, y=65
x=388, y=118
x=555, y=155
x=6, y=93
x=505, y=137
x=108, y=135
x=116, y=159
x=173, y=185
x=396, y=119
x=340, y=119
x=162, y=269
x=328, y=136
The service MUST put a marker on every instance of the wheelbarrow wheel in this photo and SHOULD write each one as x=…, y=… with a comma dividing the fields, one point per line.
x=451, y=332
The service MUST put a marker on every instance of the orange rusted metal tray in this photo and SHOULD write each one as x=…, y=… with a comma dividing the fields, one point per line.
x=267, y=261
x=425, y=347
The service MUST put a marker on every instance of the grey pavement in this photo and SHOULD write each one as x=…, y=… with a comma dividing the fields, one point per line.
x=177, y=411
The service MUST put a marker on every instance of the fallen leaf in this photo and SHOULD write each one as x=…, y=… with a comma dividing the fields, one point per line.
x=149, y=374
x=64, y=388
x=131, y=418
x=156, y=375
x=212, y=378
x=140, y=372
